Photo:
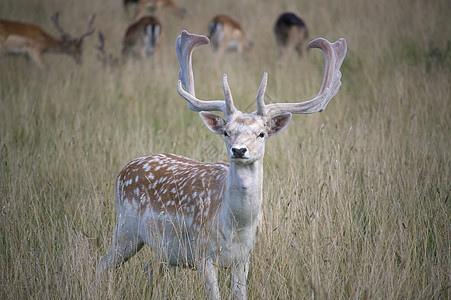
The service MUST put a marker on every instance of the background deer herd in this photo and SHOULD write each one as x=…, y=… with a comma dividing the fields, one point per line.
x=143, y=37
x=355, y=200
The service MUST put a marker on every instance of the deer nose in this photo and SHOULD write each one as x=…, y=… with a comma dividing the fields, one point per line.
x=239, y=152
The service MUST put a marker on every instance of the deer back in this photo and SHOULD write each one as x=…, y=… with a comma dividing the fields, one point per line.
x=155, y=5
x=17, y=35
x=173, y=185
x=142, y=37
x=225, y=32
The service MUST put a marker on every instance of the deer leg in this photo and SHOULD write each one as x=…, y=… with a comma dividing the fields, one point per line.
x=125, y=244
x=209, y=272
x=36, y=56
x=142, y=50
x=285, y=53
x=300, y=48
x=2, y=42
x=149, y=271
x=223, y=47
x=239, y=280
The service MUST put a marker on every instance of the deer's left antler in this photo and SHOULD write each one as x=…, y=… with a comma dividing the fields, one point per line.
x=90, y=29
x=334, y=55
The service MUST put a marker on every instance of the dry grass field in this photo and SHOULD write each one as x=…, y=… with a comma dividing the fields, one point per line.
x=356, y=199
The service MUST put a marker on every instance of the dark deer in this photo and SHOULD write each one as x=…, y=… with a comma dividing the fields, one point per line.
x=291, y=35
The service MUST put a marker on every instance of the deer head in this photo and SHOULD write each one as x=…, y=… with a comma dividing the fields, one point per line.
x=70, y=45
x=245, y=134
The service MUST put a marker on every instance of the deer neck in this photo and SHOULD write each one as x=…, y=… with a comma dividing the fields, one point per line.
x=243, y=196
x=53, y=45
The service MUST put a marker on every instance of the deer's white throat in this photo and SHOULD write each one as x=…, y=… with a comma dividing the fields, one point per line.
x=243, y=197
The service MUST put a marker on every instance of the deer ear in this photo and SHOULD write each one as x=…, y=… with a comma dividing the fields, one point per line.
x=278, y=123
x=214, y=122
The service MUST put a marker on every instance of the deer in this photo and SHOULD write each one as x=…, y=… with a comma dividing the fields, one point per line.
x=207, y=215
x=155, y=5
x=31, y=40
x=226, y=33
x=291, y=34
x=143, y=38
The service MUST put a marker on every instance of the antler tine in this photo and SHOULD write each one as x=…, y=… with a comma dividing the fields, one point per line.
x=184, y=47
x=334, y=55
x=55, y=20
x=90, y=28
x=230, y=108
x=261, y=108
x=101, y=47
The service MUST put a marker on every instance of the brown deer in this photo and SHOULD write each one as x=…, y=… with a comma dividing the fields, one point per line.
x=291, y=35
x=206, y=215
x=155, y=5
x=143, y=38
x=225, y=33
x=30, y=39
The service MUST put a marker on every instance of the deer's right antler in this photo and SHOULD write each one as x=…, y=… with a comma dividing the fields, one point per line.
x=184, y=47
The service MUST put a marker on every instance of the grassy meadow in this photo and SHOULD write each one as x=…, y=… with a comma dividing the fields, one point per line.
x=356, y=199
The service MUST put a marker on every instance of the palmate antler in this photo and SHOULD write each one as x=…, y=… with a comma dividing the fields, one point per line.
x=333, y=53
x=184, y=47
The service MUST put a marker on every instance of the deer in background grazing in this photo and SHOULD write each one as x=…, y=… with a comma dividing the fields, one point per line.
x=206, y=215
x=225, y=33
x=291, y=34
x=142, y=38
x=30, y=39
x=154, y=5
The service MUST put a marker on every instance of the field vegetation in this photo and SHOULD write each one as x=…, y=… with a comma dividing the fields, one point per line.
x=356, y=198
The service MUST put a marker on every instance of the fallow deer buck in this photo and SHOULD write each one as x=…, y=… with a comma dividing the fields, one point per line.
x=226, y=33
x=30, y=39
x=205, y=215
x=291, y=35
x=143, y=38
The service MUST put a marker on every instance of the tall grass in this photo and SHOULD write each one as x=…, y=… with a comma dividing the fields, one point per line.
x=356, y=198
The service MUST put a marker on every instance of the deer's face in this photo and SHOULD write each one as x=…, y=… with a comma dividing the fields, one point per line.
x=74, y=48
x=245, y=135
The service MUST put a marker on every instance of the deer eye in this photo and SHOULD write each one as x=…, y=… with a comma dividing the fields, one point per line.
x=261, y=135
x=225, y=133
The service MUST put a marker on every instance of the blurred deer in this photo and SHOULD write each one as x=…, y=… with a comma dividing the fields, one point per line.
x=143, y=38
x=225, y=33
x=291, y=35
x=155, y=5
x=206, y=215
x=31, y=40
